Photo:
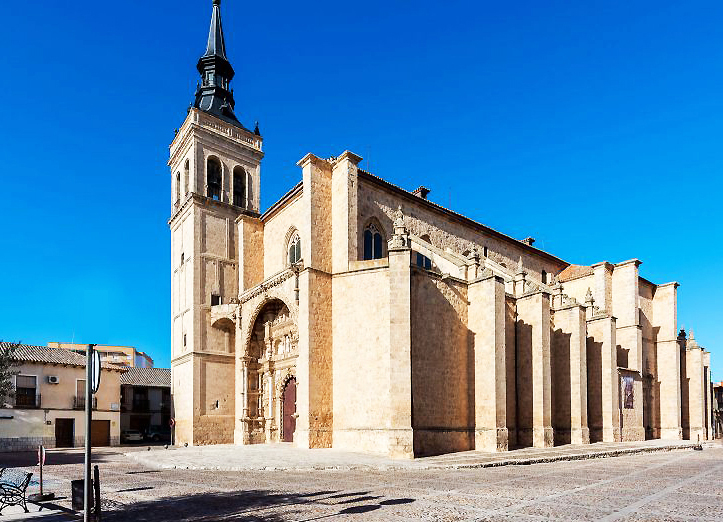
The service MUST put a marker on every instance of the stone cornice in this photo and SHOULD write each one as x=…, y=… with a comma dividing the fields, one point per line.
x=568, y=306
x=314, y=160
x=347, y=155
x=608, y=266
x=285, y=199
x=269, y=283
x=534, y=292
x=487, y=274
x=600, y=316
x=205, y=202
x=636, y=262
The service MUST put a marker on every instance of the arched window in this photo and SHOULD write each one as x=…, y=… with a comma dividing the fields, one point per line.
x=178, y=188
x=294, y=249
x=239, y=186
x=213, y=178
x=544, y=277
x=186, y=178
x=372, y=243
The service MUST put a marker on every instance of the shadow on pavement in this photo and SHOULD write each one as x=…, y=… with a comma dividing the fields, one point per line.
x=257, y=505
x=29, y=459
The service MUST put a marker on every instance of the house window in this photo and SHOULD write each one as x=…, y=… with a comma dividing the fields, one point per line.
x=484, y=251
x=26, y=391
x=423, y=261
x=215, y=299
x=213, y=178
x=544, y=277
x=239, y=186
x=295, y=249
x=372, y=243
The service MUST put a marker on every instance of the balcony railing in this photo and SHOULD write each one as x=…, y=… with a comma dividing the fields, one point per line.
x=79, y=402
x=27, y=401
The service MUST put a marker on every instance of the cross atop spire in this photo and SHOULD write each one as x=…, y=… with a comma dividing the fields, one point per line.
x=214, y=94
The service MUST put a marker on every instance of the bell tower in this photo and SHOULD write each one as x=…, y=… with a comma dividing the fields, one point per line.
x=215, y=168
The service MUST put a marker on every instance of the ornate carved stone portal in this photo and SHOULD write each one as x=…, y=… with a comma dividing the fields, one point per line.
x=270, y=362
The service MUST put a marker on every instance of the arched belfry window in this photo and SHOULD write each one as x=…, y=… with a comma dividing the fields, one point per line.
x=294, y=249
x=373, y=243
x=178, y=188
x=213, y=178
x=239, y=186
x=186, y=177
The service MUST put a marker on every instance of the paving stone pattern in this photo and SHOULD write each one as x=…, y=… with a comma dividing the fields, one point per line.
x=286, y=457
x=660, y=486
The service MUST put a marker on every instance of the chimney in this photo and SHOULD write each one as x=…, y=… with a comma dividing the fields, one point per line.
x=422, y=192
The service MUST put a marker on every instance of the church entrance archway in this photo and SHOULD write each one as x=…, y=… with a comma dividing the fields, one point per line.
x=289, y=413
x=269, y=364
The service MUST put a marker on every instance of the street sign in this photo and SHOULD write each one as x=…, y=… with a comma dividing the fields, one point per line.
x=96, y=370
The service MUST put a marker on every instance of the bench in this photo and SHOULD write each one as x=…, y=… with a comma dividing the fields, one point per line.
x=13, y=483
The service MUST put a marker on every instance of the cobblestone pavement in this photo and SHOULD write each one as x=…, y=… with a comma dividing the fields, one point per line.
x=286, y=457
x=663, y=486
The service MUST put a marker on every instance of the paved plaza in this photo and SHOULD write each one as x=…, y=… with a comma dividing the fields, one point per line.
x=285, y=457
x=662, y=485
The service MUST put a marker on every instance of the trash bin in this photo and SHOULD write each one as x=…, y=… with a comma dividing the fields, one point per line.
x=76, y=487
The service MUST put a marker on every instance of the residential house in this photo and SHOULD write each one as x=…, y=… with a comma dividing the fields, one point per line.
x=49, y=401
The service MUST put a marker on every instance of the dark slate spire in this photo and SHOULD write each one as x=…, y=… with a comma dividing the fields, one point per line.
x=214, y=94
x=216, y=45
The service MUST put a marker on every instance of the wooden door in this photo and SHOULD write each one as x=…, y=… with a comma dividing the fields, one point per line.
x=64, y=433
x=100, y=433
x=289, y=422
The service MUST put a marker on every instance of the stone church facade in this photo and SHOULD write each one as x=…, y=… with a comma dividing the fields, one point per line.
x=357, y=315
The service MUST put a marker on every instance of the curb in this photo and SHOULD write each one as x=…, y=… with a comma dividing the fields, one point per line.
x=141, y=458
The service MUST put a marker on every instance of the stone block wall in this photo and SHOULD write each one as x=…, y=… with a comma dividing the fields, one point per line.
x=511, y=370
x=444, y=230
x=569, y=376
x=360, y=308
x=534, y=385
x=442, y=366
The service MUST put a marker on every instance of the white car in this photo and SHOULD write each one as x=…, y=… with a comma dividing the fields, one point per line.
x=131, y=436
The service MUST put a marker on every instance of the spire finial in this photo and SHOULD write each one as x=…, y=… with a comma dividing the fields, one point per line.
x=215, y=95
x=589, y=300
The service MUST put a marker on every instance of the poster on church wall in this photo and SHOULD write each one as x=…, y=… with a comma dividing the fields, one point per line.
x=628, y=394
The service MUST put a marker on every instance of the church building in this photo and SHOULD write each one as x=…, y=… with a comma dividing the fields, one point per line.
x=357, y=315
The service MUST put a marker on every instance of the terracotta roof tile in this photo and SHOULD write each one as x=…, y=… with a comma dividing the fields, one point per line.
x=147, y=377
x=575, y=272
x=45, y=355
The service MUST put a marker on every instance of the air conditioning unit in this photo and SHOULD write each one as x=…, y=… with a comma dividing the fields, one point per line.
x=114, y=406
x=53, y=379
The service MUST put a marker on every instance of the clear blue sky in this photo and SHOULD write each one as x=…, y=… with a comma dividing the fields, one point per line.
x=593, y=126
